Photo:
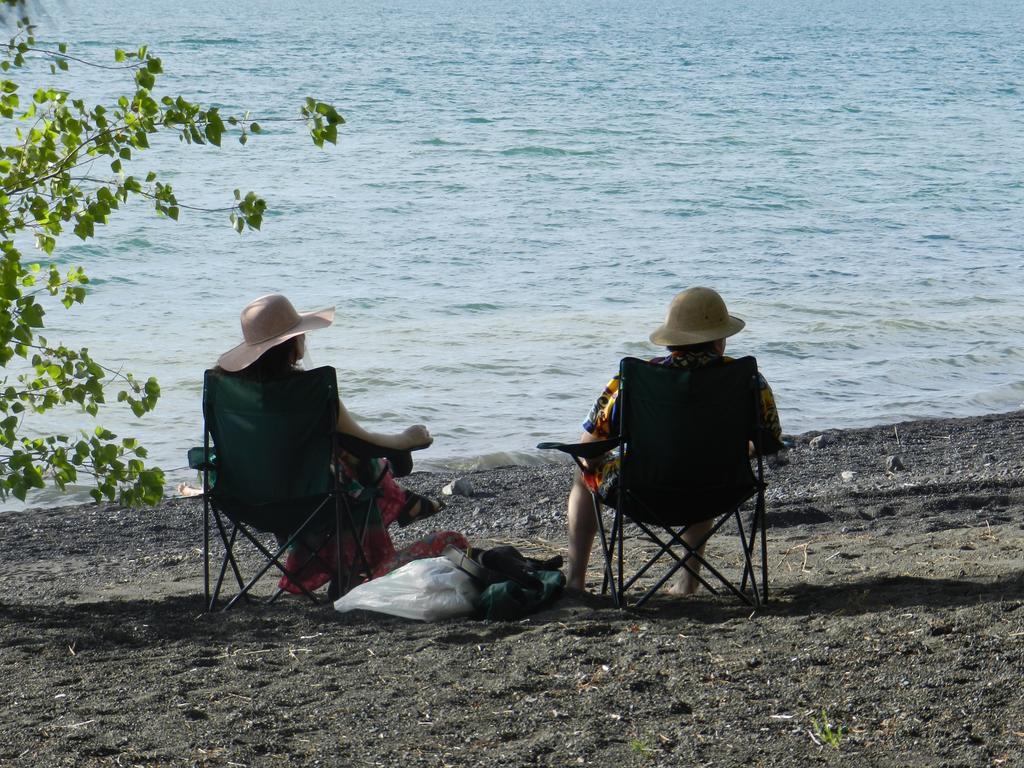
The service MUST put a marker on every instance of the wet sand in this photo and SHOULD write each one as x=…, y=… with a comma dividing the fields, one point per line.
x=896, y=609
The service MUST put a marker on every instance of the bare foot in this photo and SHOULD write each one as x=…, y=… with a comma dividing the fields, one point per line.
x=575, y=585
x=684, y=585
x=575, y=581
x=184, y=489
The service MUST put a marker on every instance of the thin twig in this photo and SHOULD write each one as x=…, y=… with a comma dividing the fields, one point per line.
x=59, y=55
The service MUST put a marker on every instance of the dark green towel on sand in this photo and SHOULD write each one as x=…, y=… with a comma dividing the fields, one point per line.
x=508, y=601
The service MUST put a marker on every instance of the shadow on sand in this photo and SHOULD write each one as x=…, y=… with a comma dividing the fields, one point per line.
x=114, y=624
x=863, y=596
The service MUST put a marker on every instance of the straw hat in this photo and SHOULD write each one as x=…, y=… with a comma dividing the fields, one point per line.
x=267, y=322
x=696, y=315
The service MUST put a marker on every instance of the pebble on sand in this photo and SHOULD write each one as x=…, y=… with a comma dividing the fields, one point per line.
x=460, y=487
x=820, y=441
x=894, y=464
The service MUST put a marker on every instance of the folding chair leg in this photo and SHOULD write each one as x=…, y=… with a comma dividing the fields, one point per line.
x=665, y=548
x=272, y=560
x=344, y=519
x=608, y=540
x=764, y=547
x=620, y=536
x=758, y=527
x=337, y=541
x=358, y=537
x=206, y=547
x=229, y=558
x=748, y=566
x=675, y=539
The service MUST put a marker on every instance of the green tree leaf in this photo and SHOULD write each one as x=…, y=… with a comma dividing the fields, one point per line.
x=45, y=195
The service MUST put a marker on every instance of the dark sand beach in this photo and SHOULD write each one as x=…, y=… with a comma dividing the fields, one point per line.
x=897, y=609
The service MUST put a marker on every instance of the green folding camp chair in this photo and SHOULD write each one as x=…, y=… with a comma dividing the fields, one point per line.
x=267, y=464
x=683, y=442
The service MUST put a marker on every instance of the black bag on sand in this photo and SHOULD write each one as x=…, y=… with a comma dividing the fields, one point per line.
x=513, y=585
x=504, y=563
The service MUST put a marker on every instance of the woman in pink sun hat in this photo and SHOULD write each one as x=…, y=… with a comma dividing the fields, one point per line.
x=273, y=345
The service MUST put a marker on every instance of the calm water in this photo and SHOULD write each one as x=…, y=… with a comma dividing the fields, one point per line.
x=522, y=187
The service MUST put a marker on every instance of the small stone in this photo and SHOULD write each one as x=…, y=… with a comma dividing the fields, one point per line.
x=894, y=464
x=460, y=487
x=820, y=441
x=848, y=476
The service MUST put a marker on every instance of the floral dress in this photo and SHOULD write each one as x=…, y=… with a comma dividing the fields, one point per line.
x=363, y=479
x=602, y=422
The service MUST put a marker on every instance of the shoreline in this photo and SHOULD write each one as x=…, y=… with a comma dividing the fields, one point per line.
x=897, y=608
x=546, y=461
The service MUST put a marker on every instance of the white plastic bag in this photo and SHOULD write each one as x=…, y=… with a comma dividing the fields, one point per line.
x=427, y=590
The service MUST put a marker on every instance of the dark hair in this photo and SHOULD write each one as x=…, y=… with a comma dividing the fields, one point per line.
x=704, y=346
x=276, y=363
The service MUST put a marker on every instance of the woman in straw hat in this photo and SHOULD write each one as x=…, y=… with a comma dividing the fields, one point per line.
x=694, y=332
x=273, y=344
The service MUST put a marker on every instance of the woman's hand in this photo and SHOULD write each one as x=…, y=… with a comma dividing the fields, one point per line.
x=410, y=439
x=417, y=436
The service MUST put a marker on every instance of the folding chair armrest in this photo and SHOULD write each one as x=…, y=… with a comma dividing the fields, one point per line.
x=400, y=461
x=202, y=459
x=582, y=450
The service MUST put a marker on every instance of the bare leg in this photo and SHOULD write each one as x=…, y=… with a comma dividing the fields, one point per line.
x=686, y=583
x=582, y=529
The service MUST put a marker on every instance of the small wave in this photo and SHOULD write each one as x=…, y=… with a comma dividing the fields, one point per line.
x=547, y=151
x=95, y=282
x=134, y=242
x=684, y=213
x=675, y=164
x=787, y=349
x=497, y=459
x=210, y=41
x=476, y=307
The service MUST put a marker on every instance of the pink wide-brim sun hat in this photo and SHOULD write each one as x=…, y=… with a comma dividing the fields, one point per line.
x=268, y=321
